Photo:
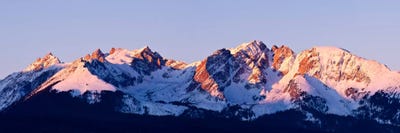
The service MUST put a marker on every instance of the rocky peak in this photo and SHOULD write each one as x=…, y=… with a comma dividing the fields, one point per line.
x=96, y=55
x=145, y=49
x=213, y=72
x=251, y=49
x=336, y=65
x=146, y=61
x=282, y=58
x=309, y=62
x=44, y=62
x=254, y=54
x=147, y=54
x=254, y=58
x=112, y=51
x=221, y=52
x=282, y=48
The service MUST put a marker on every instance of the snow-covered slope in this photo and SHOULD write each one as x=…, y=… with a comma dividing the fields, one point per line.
x=17, y=85
x=350, y=76
x=341, y=70
x=252, y=77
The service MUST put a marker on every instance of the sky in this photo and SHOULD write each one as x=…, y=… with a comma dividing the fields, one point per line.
x=190, y=30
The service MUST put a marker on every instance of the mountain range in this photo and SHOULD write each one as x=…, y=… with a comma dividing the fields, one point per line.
x=252, y=87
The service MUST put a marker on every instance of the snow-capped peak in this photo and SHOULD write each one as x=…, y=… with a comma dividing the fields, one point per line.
x=124, y=56
x=146, y=53
x=341, y=70
x=257, y=79
x=252, y=48
x=143, y=58
x=120, y=56
x=44, y=62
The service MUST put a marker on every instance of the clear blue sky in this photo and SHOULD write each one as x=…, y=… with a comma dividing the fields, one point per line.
x=191, y=30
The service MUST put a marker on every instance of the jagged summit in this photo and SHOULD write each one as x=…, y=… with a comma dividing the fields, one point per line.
x=112, y=50
x=342, y=71
x=48, y=60
x=251, y=48
x=244, y=82
x=96, y=55
x=124, y=56
x=145, y=49
x=252, y=44
x=49, y=54
x=147, y=53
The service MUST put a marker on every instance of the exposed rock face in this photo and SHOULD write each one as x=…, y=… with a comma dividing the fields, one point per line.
x=17, y=85
x=142, y=56
x=254, y=56
x=256, y=76
x=96, y=55
x=112, y=51
x=225, y=67
x=207, y=83
x=248, y=81
x=44, y=62
x=282, y=59
x=99, y=55
x=248, y=64
x=213, y=73
x=340, y=65
x=147, y=61
x=293, y=90
x=309, y=63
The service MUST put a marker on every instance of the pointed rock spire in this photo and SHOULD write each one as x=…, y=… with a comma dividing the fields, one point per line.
x=146, y=49
x=96, y=55
x=146, y=61
x=48, y=60
x=147, y=54
x=112, y=51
